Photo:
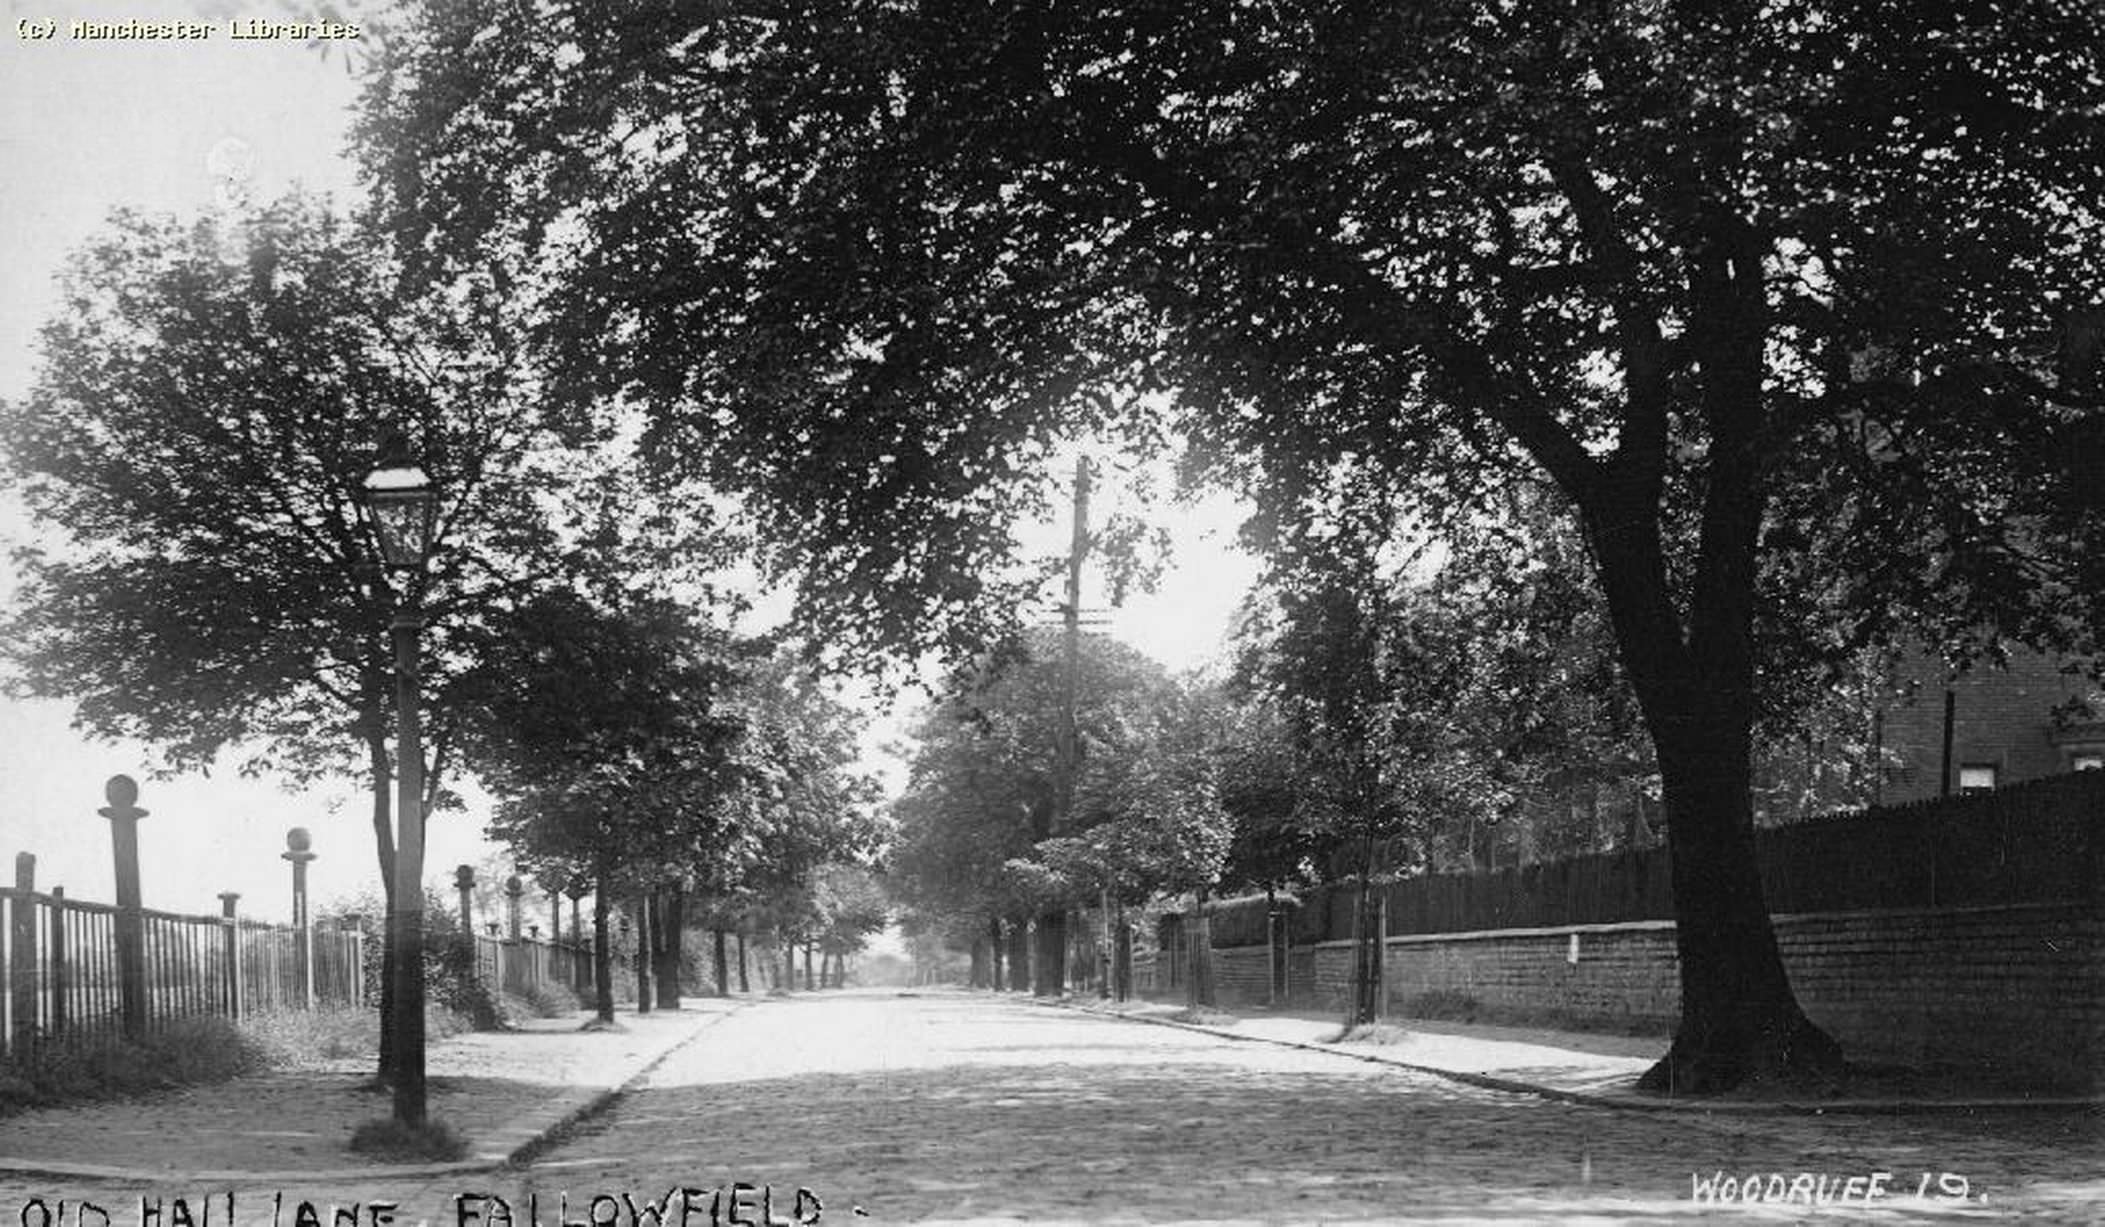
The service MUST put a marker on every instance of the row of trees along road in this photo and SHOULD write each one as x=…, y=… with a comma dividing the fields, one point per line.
x=191, y=453
x=1392, y=709
x=656, y=757
x=1783, y=299
x=980, y=848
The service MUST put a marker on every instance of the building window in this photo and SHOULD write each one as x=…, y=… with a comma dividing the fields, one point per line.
x=2087, y=762
x=1977, y=777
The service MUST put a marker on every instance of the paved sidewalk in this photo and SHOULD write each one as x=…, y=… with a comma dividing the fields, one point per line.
x=505, y=1091
x=1575, y=1067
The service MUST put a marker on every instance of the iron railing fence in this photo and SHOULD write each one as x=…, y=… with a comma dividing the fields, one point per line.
x=64, y=978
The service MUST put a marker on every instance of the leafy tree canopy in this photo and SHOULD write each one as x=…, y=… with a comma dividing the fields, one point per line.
x=1514, y=222
x=1771, y=292
x=193, y=452
x=980, y=827
x=613, y=736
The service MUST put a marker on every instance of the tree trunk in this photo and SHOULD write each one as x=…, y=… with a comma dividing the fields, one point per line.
x=1122, y=953
x=1271, y=945
x=722, y=963
x=1081, y=953
x=602, y=949
x=1104, y=946
x=1739, y=1018
x=668, y=930
x=809, y=985
x=744, y=986
x=978, y=976
x=1019, y=957
x=1049, y=969
x=640, y=912
x=1200, y=940
x=788, y=980
x=1370, y=923
x=995, y=940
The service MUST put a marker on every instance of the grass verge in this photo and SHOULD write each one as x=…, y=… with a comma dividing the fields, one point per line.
x=1370, y=1033
x=1448, y=1005
x=194, y=1051
x=387, y=1138
x=186, y=1051
x=293, y=1038
x=541, y=1001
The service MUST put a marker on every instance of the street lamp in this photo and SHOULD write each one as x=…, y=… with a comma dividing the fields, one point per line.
x=399, y=498
x=404, y=511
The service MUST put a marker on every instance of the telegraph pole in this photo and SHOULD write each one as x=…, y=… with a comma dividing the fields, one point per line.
x=1052, y=924
x=1071, y=662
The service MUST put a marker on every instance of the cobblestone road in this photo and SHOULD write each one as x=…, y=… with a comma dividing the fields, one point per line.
x=954, y=1108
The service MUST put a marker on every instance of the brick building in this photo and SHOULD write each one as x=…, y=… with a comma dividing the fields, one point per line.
x=2037, y=715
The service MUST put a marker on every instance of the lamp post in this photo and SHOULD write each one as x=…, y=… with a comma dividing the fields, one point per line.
x=399, y=497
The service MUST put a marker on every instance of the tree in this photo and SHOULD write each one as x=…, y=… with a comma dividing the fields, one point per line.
x=612, y=734
x=977, y=833
x=1538, y=690
x=193, y=451
x=1531, y=691
x=1361, y=669
x=1261, y=789
x=1272, y=845
x=802, y=808
x=957, y=826
x=1761, y=288
x=853, y=905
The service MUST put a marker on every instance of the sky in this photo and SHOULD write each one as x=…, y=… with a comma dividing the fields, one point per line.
x=176, y=127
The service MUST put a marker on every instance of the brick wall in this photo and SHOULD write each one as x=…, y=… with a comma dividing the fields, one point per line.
x=2020, y=989
x=1239, y=976
x=1624, y=972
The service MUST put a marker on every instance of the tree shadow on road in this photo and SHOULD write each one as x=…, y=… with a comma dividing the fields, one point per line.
x=1128, y=1138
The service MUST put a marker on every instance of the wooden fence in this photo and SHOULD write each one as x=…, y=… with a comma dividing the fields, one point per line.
x=61, y=964
x=2038, y=842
